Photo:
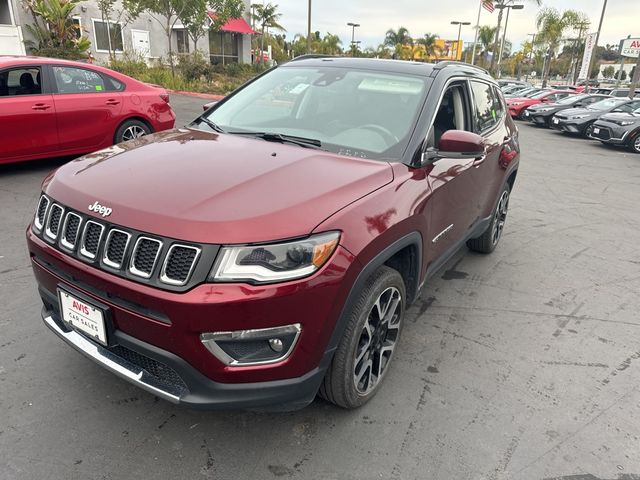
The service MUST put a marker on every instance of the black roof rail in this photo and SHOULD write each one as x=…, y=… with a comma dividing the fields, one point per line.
x=307, y=56
x=448, y=63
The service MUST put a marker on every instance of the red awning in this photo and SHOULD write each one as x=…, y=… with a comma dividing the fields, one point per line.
x=235, y=25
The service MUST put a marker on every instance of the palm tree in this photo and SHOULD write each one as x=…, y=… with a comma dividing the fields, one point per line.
x=501, y=5
x=267, y=17
x=552, y=27
x=429, y=43
x=330, y=45
x=401, y=37
x=486, y=34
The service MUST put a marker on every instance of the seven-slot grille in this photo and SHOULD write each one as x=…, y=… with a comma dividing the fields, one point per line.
x=127, y=253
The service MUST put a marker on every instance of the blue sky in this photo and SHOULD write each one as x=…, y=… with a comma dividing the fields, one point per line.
x=434, y=16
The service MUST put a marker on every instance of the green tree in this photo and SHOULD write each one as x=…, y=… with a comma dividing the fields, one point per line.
x=552, y=26
x=267, y=16
x=608, y=72
x=195, y=16
x=54, y=30
x=394, y=38
x=429, y=43
x=112, y=13
x=165, y=12
x=501, y=5
x=486, y=35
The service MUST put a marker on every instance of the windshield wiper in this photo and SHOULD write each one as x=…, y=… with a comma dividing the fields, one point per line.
x=210, y=124
x=282, y=138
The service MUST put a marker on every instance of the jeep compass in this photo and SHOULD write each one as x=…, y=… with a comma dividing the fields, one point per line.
x=268, y=251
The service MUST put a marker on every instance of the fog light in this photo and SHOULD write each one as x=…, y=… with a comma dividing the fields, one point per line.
x=276, y=344
x=252, y=347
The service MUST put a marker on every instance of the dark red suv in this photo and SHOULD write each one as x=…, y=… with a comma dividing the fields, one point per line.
x=269, y=250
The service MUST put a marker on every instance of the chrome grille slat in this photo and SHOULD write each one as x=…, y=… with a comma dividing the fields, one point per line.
x=54, y=218
x=41, y=212
x=70, y=230
x=145, y=256
x=115, y=248
x=91, y=236
x=179, y=264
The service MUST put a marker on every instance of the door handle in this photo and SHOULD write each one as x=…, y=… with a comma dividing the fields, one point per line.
x=479, y=160
x=112, y=102
x=40, y=106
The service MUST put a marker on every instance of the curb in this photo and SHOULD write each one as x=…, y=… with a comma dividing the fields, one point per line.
x=206, y=96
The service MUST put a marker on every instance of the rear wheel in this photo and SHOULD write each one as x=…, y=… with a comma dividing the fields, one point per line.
x=130, y=130
x=366, y=349
x=487, y=242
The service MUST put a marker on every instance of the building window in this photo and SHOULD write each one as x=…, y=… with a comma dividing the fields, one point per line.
x=6, y=17
x=103, y=40
x=223, y=47
x=77, y=25
x=183, y=41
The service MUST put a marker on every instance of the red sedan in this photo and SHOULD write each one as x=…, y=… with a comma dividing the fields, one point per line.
x=51, y=107
x=518, y=105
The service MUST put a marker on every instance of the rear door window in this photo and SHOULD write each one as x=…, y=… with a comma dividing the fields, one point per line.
x=487, y=106
x=78, y=80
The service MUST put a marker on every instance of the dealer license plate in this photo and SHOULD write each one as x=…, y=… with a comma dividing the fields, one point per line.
x=555, y=120
x=596, y=131
x=83, y=316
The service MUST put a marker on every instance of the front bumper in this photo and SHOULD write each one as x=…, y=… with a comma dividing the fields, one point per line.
x=165, y=327
x=567, y=126
x=610, y=133
x=541, y=119
x=169, y=377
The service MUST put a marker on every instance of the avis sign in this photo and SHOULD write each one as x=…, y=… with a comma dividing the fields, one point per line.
x=630, y=47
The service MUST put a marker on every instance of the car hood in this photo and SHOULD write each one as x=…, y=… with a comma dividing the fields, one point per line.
x=621, y=116
x=570, y=112
x=540, y=106
x=210, y=188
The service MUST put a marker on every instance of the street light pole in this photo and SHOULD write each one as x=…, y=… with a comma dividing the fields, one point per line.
x=595, y=48
x=353, y=35
x=475, y=38
x=460, y=24
x=309, y=28
x=504, y=33
x=533, y=40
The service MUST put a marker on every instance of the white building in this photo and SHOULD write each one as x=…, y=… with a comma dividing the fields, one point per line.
x=144, y=35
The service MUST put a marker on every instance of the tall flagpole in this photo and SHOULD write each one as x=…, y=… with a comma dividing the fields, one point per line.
x=475, y=40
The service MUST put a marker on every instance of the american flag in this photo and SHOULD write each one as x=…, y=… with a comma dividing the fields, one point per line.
x=488, y=5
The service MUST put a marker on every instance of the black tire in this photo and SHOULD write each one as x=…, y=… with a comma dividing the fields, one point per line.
x=587, y=130
x=130, y=130
x=488, y=241
x=340, y=385
x=634, y=142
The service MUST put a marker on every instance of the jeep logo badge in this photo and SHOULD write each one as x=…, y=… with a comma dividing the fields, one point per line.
x=101, y=209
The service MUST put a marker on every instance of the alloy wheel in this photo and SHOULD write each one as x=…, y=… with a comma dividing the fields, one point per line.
x=500, y=217
x=133, y=132
x=377, y=341
x=636, y=143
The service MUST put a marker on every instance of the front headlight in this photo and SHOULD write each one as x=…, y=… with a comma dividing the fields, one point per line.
x=545, y=109
x=624, y=123
x=515, y=104
x=578, y=117
x=275, y=262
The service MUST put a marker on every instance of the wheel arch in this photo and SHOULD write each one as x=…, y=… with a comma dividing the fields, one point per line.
x=404, y=253
x=133, y=117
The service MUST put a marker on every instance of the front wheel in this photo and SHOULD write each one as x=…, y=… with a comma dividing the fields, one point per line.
x=634, y=143
x=488, y=241
x=588, y=131
x=130, y=130
x=370, y=339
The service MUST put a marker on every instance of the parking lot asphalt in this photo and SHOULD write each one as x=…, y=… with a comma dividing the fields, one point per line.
x=523, y=364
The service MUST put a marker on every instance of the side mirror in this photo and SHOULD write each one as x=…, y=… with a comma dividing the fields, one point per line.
x=456, y=144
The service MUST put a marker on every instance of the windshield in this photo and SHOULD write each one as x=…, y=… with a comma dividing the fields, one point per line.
x=540, y=94
x=607, y=104
x=571, y=99
x=361, y=113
